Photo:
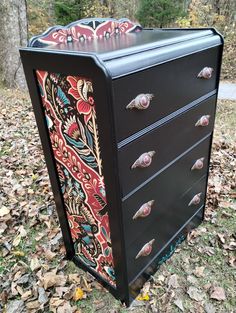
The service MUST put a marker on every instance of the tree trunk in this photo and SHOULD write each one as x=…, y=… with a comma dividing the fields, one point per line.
x=13, y=34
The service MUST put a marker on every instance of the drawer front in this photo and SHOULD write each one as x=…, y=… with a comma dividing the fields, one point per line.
x=163, y=229
x=173, y=84
x=164, y=190
x=168, y=141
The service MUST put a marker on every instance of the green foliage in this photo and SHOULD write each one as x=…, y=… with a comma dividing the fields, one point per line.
x=218, y=14
x=158, y=13
x=67, y=11
x=40, y=16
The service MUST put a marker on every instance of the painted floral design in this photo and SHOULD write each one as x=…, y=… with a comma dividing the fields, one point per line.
x=71, y=118
x=82, y=90
x=84, y=30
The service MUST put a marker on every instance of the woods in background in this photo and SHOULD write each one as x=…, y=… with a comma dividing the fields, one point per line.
x=13, y=33
x=149, y=13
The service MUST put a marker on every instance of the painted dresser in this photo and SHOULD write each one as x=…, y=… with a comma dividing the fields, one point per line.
x=125, y=117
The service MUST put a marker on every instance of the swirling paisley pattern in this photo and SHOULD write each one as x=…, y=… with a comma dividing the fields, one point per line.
x=71, y=118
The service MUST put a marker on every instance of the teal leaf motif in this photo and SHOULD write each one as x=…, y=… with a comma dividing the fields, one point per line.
x=104, y=232
x=76, y=143
x=41, y=90
x=61, y=95
x=89, y=137
x=107, y=252
x=88, y=158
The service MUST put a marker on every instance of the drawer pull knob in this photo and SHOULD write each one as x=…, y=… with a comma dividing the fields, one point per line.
x=146, y=249
x=198, y=165
x=205, y=73
x=195, y=200
x=203, y=121
x=144, y=160
x=144, y=210
x=141, y=102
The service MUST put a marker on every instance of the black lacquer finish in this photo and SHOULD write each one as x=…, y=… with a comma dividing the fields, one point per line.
x=181, y=133
x=167, y=88
x=165, y=189
x=164, y=63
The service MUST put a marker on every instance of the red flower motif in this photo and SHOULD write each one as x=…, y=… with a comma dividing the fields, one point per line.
x=82, y=90
x=74, y=226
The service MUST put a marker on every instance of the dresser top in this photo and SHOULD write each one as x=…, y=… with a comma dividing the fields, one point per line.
x=129, y=43
x=121, y=46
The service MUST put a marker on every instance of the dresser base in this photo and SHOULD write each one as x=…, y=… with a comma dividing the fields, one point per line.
x=136, y=285
x=167, y=251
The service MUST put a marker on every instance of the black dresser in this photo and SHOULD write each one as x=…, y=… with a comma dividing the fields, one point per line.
x=125, y=117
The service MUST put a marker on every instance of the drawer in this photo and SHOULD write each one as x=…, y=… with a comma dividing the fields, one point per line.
x=165, y=189
x=168, y=141
x=173, y=84
x=163, y=229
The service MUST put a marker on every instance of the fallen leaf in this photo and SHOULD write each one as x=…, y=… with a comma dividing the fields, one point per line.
x=69, y=293
x=161, y=278
x=4, y=211
x=18, y=253
x=22, y=231
x=55, y=302
x=192, y=280
x=231, y=246
x=199, y=270
x=195, y=294
x=20, y=290
x=78, y=294
x=66, y=308
x=32, y=305
x=207, y=286
x=232, y=261
x=4, y=297
x=60, y=291
x=34, y=264
x=221, y=237
x=42, y=298
x=218, y=293
x=24, y=279
x=143, y=297
x=26, y=295
x=179, y=304
x=74, y=278
x=15, y=306
x=52, y=280
x=173, y=281
x=49, y=255
x=16, y=240
x=209, y=308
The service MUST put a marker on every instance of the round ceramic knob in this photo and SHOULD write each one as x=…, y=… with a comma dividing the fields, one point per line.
x=144, y=160
x=144, y=210
x=203, y=121
x=198, y=165
x=146, y=249
x=195, y=200
x=141, y=102
x=205, y=73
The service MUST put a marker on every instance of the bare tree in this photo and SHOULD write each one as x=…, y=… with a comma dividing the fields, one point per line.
x=13, y=34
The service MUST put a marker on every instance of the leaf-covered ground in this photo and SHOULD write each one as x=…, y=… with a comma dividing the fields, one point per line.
x=35, y=277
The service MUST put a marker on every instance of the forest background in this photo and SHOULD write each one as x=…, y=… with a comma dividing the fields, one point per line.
x=21, y=19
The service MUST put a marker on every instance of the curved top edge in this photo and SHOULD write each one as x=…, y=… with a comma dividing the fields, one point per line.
x=84, y=29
